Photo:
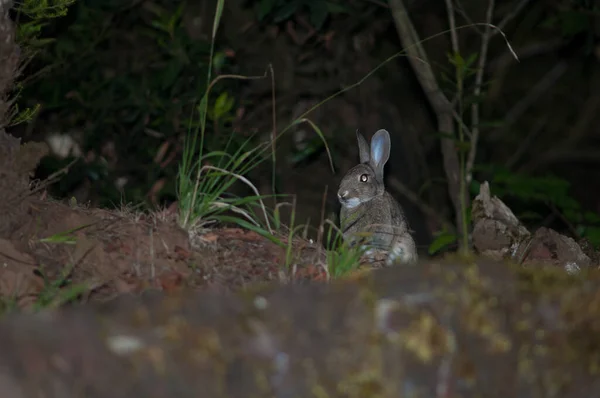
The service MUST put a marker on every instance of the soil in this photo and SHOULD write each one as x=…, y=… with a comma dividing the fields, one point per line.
x=52, y=252
x=120, y=251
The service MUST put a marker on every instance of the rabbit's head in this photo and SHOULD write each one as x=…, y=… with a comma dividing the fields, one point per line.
x=365, y=181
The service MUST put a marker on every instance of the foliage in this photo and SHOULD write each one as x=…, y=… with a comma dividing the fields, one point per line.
x=576, y=18
x=277, y=11
x=341, y=257
x=541, y=195
x=40, y=9
x=128, y=78
x=442, y=239
x=32, y=16
x=532, y=198
x=205, y=177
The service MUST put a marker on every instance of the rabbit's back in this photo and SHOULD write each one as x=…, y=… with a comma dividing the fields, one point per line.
x=397, y=217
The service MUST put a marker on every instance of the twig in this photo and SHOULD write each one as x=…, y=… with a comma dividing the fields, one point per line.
x=438, y=101
x=460, y=121
x=527, y=51
x=452, y=24
x=379, y=3
x=274, y=131
x=586, y=117
x=461, y=10
x=51, y=179
x=564, y=150
x=563, y=218
x=397, y=185
x=511, y=15
x=485, y=41
x=543, y=85
x=556, y=156
x=526, y=143
x=321, y=231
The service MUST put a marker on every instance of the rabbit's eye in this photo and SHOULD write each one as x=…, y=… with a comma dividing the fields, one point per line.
x=364, y=178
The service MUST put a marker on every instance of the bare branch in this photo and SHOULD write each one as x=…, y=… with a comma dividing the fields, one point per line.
x=461, y=10
x=397, y=185
x=527, y=51
x=438, y=101
x=452, y=24
x=542, y=86
x=562, y=156
x=485, y=41
x=526, y=143
x=567, y=148
x=511, y=15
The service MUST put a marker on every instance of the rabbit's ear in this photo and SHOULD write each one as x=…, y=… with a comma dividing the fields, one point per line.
x=363, y=148
x=380, y=152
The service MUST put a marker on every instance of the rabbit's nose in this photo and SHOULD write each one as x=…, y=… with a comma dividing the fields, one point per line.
x=342, y=194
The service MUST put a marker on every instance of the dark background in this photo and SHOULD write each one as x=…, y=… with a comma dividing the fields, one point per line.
x=120, y=80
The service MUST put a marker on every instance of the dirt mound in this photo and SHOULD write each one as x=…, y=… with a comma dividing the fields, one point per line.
x=54, y=248
x=52, y=252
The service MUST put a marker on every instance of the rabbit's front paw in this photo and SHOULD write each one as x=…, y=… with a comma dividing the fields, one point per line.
x=368, y=251
x=401, y=254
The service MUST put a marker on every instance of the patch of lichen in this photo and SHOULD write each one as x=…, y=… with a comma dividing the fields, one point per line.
x=460, y=257
x=467, y=290
x=494, y=304
x=546, y=280
x=568, y=332
x=426, y=338
x=580, y=316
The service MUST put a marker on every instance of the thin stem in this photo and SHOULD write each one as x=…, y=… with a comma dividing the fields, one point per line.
x=485, y=40
x=459, y=70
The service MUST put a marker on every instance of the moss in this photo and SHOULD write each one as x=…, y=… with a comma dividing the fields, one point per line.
x=426, y=338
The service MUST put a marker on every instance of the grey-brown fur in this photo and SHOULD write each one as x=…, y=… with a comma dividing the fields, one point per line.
x=368, y=211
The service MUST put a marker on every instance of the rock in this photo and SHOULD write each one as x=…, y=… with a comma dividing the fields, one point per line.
x=438, y=330
x=550, y=247
x=497, y=232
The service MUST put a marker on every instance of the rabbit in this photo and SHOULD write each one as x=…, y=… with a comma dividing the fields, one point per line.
x=368, y=209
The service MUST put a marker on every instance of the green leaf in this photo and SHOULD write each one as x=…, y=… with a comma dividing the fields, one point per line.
x=335, y=8
x=464, y=146
x=202, y=110
x=471, y=59
x=492, y=123
x=444, y=135
x=223, y=105
x=474, y=187
x=286, y=11
x=593, y=235
x=264, y=7
x=529, y=216
x=171, y=73
x=550, y=22
x=218, y=14
x=219, y=60
x=573, y=22
x=591, y=217
x=457, y=60
x=318, y=13
x=443, y=240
